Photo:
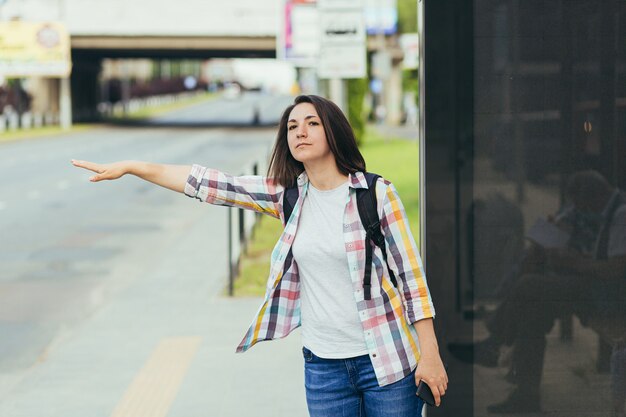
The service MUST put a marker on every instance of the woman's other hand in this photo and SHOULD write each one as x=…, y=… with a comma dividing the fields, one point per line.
x=111, y=171
x=431, y=370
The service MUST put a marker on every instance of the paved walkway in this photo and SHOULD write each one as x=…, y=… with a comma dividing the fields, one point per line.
x=401, y=131
x=163, y=344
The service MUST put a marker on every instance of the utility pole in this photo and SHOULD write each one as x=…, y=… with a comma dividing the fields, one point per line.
x=381, y=63
x=337, y=88
x=65, y=90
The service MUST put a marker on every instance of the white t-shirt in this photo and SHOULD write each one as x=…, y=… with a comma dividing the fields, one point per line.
x=331, y=327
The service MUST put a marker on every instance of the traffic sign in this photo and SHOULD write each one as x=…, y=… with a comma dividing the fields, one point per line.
x=342, y=42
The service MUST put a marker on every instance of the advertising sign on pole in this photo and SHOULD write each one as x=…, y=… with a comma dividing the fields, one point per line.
x=298, y=36
x=34, y=49
x=341, y=61
x=342, y=40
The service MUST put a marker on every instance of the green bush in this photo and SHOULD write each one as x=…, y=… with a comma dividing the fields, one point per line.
x=357, y=87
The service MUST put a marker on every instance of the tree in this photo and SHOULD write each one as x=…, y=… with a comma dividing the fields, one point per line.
x=407, y=16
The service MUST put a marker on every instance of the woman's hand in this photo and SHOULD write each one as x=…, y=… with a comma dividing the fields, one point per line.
x=430, y=369
x=172, y=177
x=111, y=171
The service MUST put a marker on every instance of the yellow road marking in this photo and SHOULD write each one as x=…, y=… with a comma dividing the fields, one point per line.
x=152, y=392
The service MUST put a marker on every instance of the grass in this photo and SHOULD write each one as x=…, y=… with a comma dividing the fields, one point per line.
x=394, y=159
x=398, y=161
x=255, y=265
x=39, y=132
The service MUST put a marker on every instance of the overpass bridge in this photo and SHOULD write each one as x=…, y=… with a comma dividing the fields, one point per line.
x=156, y=29
x=159, y=28
x=173, y=29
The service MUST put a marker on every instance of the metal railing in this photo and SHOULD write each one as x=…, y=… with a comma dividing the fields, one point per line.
x=121, y=109
x=11, y=121
x=241, y=224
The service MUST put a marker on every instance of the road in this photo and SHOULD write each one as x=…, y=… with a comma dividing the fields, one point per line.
x=114, y=268
x=250, y=108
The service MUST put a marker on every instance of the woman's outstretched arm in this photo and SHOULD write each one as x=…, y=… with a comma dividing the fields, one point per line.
x=251, y=192
x=172, y=177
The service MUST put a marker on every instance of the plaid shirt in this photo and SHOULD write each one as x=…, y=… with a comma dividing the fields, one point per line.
x=390, y=338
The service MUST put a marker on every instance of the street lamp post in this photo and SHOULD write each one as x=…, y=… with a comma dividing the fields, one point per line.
x=65, y=90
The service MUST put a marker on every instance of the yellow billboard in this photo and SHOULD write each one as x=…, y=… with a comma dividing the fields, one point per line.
x=34, y=49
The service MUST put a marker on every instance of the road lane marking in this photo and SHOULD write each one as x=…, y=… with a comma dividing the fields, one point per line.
x=154, y=388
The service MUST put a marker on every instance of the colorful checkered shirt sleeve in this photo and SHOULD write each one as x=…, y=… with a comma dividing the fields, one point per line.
x=250, y=192
x=404, y=258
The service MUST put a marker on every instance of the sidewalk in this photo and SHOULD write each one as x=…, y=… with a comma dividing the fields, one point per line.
x=402, y=131
x=164, y=344
x=571, y=386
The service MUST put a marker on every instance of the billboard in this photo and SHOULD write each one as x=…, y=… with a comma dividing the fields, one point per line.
x=34, y=49
x=298, y=38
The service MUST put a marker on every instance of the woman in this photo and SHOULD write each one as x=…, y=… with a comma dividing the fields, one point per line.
x=361, y=353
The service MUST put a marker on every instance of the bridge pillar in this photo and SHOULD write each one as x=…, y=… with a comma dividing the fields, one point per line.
x=84, y=86
x=65, y=104
x=393, y=94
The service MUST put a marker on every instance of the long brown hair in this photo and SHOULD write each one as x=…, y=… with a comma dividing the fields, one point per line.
x=284, y=168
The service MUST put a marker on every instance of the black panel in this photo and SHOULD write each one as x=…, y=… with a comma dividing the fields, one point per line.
x=526, y=123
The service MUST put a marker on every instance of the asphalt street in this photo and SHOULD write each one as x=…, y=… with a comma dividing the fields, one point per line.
x=104, y=283
x=249, y=108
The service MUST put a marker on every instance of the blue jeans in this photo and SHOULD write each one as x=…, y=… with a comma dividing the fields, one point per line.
x=348, y=388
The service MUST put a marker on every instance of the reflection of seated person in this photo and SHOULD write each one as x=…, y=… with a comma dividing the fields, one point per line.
x=588, y=280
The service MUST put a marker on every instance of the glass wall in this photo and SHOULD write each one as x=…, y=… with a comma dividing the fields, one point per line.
x=525, y=137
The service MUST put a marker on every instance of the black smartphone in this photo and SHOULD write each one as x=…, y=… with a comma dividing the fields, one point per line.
x=424, y=392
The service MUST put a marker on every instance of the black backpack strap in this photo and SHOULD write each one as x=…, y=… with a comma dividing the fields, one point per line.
x=366, y=202
x=290, y=197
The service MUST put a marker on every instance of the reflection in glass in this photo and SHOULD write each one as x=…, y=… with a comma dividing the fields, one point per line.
x=547, y=269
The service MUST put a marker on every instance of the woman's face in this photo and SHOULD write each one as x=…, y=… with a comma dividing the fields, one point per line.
x=306, y=136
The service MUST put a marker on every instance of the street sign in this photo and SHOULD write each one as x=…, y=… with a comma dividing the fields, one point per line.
x=342, y=43
x=342, y=27
x=342, y=62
